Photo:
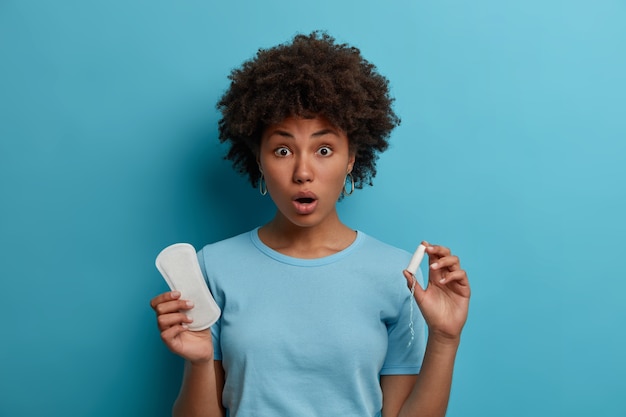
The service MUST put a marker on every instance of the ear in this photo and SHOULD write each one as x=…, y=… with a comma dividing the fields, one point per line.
x=258, y=162
x=351, y=161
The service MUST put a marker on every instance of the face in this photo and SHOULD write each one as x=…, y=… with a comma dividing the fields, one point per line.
x=305, y=163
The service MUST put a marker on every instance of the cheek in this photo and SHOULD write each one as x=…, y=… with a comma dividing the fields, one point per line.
x=274, y=174
x=335, y=180
x=276, y=179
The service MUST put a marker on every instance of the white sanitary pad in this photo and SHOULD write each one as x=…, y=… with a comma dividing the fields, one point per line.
x=179, y=266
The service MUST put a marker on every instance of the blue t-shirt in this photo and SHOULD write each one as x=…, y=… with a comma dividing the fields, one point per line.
x=310, y=337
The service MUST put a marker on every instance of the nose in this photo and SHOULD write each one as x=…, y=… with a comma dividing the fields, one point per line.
x=302, y=170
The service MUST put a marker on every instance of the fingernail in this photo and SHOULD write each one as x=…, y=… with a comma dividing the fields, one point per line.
x=175, y=293
x=189, y=319
x=189, y=304
x=442, y=280
x=434, y=265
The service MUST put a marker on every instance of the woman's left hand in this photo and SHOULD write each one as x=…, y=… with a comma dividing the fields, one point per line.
x=445, y=301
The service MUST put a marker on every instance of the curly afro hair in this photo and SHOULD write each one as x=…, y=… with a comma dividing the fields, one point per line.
x=311, y=76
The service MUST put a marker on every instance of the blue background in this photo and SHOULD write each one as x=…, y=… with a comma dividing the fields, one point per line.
x=512, y=152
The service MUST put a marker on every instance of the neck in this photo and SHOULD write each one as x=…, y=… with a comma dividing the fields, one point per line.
x=306, y=242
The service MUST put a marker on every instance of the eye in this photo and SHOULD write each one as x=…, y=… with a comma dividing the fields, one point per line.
x=325, y=151
x=282, y=151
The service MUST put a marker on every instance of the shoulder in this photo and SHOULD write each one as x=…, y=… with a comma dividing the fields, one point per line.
x=228, y=250
x=378, y=250
x=235, y=242
x=383, y=259
x=379, y=260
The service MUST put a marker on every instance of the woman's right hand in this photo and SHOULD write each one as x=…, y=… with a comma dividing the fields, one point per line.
x=194, y=346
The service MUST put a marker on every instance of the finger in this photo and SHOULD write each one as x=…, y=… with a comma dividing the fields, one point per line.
x=437, y=251
x=457, y=282
x=174, y=306
x=459, y=276
x=451, y=263
x=435, y=254
x=410, y=279
x=166, y=296
x=414, y=285
x=169, y=335
x=165, y=321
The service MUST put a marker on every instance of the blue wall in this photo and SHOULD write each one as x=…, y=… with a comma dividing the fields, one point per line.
x=512, y=151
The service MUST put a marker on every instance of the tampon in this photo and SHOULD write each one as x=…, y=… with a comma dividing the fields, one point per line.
x=179, y=266
x=416, y=259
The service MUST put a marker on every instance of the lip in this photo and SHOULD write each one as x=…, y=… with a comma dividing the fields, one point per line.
x=304, y=207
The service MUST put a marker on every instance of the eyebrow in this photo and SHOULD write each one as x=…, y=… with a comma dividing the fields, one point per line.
x=319, y=133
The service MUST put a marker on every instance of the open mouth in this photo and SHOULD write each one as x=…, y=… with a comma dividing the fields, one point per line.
x=305, y=203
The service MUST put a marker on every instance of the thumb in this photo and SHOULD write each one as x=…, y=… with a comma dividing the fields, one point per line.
x=414, y=285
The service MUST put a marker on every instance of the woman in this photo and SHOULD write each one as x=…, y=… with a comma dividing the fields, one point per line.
x=316, y=319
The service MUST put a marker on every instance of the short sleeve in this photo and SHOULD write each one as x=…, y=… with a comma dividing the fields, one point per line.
x=405, y=350
x=215, y=328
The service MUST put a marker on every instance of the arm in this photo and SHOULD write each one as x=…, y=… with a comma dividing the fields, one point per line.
x=203, y=380
x=426, y=394
x=200, y=393
x=444, y=305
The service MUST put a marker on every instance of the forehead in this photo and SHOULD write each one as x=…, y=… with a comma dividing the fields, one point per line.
x=302, y=125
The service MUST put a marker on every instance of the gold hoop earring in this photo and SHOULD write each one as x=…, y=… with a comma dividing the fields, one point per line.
x=344, y=191
x=262, y=185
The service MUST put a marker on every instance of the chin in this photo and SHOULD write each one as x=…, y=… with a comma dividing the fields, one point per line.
x=303, y=220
